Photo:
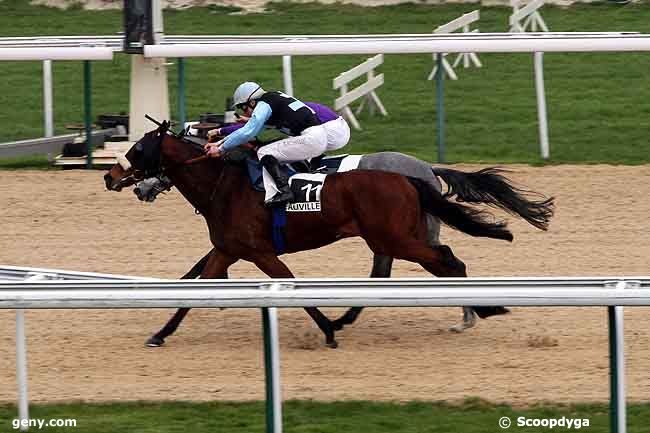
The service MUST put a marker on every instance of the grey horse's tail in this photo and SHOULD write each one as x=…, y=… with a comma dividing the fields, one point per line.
x=489, y=186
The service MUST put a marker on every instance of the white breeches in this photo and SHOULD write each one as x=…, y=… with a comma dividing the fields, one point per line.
x=313, y=142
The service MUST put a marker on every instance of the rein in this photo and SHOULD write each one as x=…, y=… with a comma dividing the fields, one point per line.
x=195, y=160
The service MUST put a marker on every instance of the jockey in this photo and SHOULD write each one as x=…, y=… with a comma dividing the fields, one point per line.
x=308, y=135
x=323, y=113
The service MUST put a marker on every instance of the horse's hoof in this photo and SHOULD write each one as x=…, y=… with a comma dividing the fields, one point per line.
x=154, y=341
x=485, y=312
x=459, y=329
x=332, y=344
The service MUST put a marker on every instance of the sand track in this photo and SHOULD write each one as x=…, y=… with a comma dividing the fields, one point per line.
x=65, y=219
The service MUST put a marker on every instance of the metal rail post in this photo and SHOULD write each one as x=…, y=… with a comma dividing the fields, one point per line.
x=47, y=99
x=21, y=361
x=538, y=60
x=272, y=363
x=21, y=368
x=181, y=92
x=440, y=80
x=617, y=409
x=287, y=75
x=88, y=115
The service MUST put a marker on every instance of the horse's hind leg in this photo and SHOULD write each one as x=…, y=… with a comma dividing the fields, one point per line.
x=381, y=268
x=274, y=268
x=447, y=256
x=469, y=320
x=433, y=239
x=469, y=316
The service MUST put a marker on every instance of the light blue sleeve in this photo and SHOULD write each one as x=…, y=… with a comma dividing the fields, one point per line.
x=255, y=124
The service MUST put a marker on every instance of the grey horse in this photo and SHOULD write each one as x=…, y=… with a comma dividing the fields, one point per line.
x=487, y=186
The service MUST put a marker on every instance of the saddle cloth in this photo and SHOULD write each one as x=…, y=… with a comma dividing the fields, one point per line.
x=306, y=188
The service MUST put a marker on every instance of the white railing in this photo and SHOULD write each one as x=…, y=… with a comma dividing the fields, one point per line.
x=463, y=23
x=16, y=273
x=22, y=272
x=366, y=90
x=612, y=292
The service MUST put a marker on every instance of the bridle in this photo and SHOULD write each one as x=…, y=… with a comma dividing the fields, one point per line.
x=153, y=161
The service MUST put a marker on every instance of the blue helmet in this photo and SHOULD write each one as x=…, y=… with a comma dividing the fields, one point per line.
x=247, y=92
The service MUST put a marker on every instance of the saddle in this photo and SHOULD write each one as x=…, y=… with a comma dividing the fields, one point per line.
x=319, y=165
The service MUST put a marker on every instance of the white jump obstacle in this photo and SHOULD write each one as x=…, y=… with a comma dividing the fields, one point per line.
x=462, y=23
x=367, y=90
x=533, y=21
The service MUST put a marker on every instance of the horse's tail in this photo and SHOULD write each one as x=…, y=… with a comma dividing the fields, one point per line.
x=468, y=220
x=490, y=187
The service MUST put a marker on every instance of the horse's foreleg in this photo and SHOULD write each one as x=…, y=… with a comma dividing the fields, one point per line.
x=275, y=268
x=158, y=339
x=348, y=318
x=381, y=268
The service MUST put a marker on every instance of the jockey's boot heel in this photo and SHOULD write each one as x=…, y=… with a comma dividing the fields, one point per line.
x=281, y=181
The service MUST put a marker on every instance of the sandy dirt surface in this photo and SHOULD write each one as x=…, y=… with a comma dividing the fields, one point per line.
x=65, y=219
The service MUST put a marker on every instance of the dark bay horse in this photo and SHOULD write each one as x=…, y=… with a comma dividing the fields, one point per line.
x=387, y=210
x=487, y=186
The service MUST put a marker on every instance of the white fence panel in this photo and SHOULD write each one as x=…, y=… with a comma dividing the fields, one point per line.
x=463, y=23
x=367, y=90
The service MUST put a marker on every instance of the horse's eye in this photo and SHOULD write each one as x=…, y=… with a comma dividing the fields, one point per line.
x=138, y=146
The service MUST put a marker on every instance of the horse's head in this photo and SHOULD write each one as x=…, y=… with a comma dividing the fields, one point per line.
x=143, y=160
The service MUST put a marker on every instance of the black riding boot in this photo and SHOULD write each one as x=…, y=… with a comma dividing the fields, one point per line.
x=281, y=181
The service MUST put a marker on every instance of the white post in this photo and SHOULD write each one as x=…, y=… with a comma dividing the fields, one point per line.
x=541, y=104
x=21, y=369
x=620, y=363
x=287, y=76
x=157, y=21
x=275, y=366
x=148, y=91
x=21, y=361
x=272, y=359
x=148, y=94
x=47, y=98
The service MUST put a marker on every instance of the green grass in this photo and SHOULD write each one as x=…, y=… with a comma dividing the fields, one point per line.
x=597, y=103
x=473, y=416
x=32, y=161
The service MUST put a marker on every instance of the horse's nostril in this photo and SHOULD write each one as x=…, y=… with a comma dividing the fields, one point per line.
x=108, y=180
